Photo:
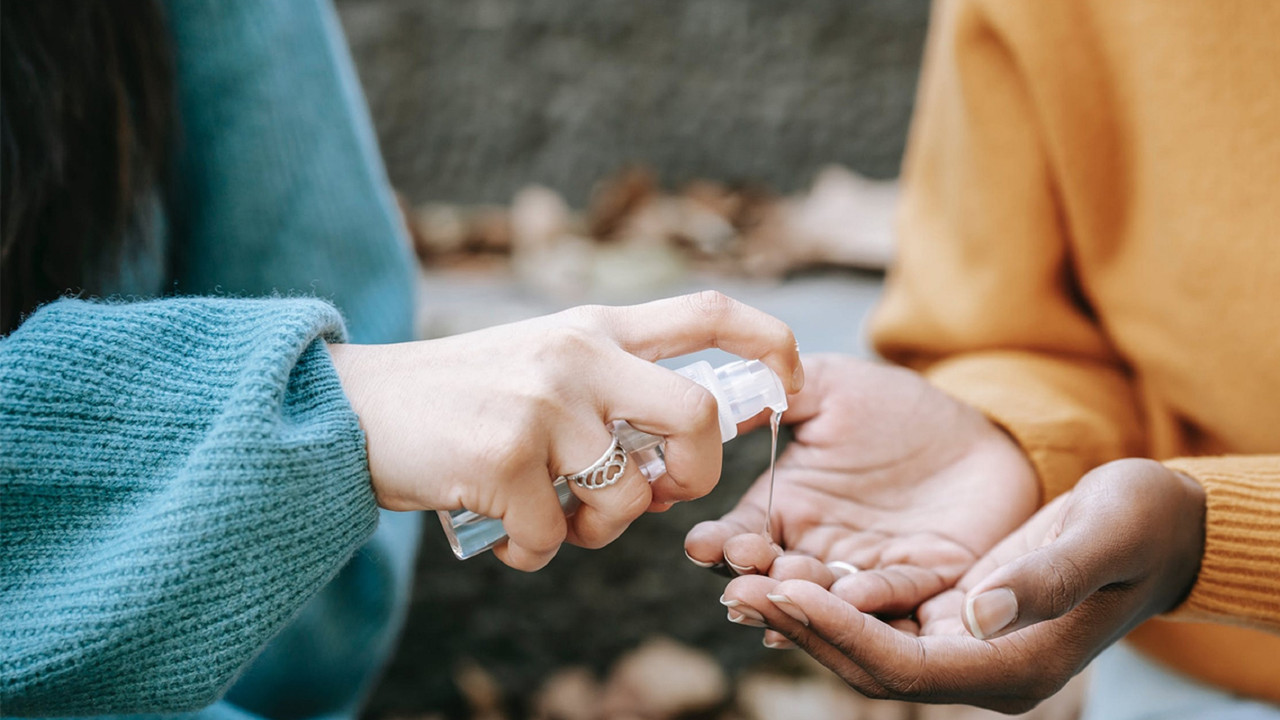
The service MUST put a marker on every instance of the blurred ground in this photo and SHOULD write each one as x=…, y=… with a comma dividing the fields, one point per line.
x=474, y=101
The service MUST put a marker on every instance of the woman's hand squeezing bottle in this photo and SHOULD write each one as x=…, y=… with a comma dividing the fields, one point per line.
x=487, y=420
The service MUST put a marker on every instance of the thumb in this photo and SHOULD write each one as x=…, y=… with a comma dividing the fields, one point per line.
x=1044, y=584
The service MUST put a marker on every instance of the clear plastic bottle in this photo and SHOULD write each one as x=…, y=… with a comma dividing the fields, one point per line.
x=742, y=389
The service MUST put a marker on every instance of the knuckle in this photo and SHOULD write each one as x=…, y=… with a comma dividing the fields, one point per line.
x=544, y=403
x=898, y=685
x=568, y=341
x=591, y=318
x=530, y=563
x=785, y=336
x=547, y=545
x=844, y=638
x=908, y=681
x=1028, y=684
x=633, y=499
x=693, y=485
x=592, y=542
x=547, y=386
x=543, y=541
x=1065, y=584
x=521, y=562
x=712, y=304
x=510, y=455
x=527, y=408
x=699, y=405
x=594, y=539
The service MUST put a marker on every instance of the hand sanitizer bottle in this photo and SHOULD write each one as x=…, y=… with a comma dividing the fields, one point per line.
x=742, y=389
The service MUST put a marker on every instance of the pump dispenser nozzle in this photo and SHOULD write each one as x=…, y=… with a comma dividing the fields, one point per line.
x=742, y=389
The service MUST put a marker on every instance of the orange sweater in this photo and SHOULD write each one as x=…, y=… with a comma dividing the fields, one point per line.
x=1090, y=253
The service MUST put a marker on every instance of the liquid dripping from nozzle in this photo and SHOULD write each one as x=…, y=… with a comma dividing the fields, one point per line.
x=773, y=461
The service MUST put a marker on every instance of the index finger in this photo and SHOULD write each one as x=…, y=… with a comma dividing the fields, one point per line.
x=704, y=543
x=708, y=319
x=949, y=668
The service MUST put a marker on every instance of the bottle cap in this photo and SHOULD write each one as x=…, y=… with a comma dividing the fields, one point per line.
x=742, y=389
x=750, y=387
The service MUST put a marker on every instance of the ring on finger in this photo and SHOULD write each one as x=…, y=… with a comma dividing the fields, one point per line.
x=603, y=472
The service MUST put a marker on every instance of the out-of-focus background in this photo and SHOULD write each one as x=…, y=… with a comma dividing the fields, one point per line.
x=555, y=152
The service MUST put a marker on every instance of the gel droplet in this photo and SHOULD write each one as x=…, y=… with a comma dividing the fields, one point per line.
x=773, y=462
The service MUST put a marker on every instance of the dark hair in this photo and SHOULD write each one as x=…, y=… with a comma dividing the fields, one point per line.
x=86, y=103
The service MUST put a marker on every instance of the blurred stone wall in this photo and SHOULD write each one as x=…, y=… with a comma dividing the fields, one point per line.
x=473, y=99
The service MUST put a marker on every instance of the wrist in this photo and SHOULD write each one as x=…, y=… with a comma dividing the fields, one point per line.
x=346, y=362
x=351, y=362
x=1029, y=472
x=1186, y=568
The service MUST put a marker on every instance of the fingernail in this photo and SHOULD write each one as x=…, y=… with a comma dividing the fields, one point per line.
x=729, y=603
x=777, y=644
x=723, y=571
x=699, y=563
x=746, y=616
x=797, y=377
x=741, y=569
x=840, y=568
x=991, y=612
x=788, y=606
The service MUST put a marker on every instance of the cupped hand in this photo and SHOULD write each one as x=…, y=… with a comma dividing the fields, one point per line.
x=486, y=420
x=1124, y=545
x=886, y=474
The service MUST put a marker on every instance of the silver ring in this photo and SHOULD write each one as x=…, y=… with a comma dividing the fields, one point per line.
x=603, y=472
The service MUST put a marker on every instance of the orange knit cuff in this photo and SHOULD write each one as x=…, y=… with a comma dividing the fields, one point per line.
x=1239, y=579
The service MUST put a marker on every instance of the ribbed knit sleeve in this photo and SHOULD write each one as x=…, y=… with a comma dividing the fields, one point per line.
x=279, y=189
x=1239, y=581
x=178, y=478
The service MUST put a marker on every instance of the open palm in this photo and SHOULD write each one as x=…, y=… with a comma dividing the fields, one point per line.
x=886, y=473
x=1121, y=547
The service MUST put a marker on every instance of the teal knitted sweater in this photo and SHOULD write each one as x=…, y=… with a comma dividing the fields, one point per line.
x=187, y=516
